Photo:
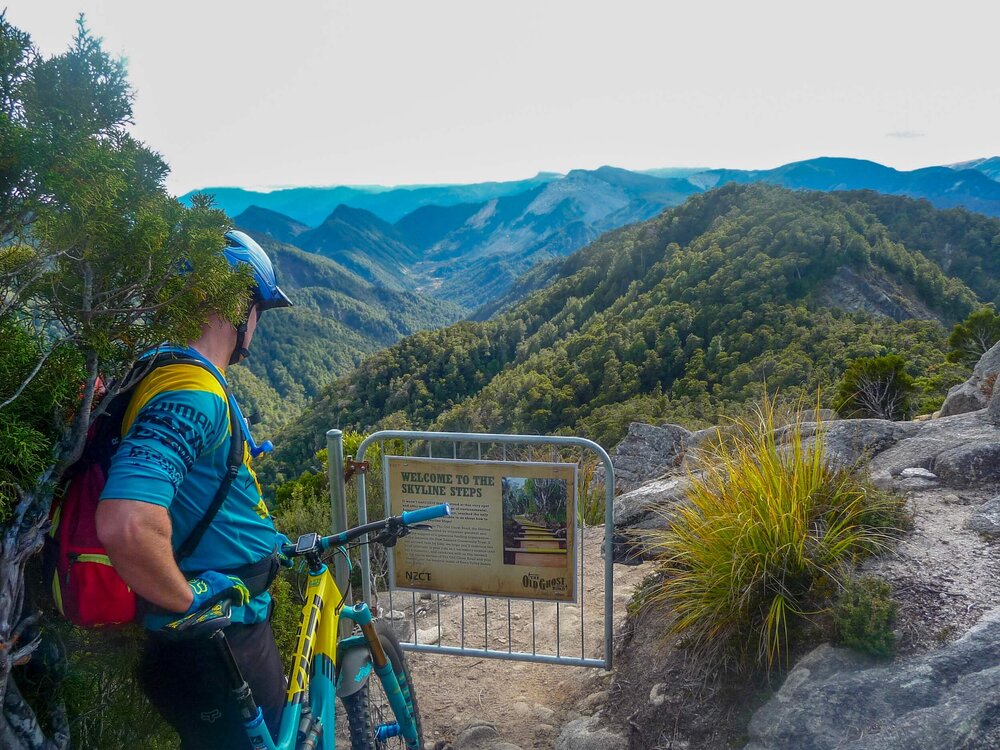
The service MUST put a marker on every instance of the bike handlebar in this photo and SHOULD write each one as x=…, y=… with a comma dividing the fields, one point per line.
x=407, y=518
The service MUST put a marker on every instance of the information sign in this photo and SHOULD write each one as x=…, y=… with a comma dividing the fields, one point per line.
x=511, y=532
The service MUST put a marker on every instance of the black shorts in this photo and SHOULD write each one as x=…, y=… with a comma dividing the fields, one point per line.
x=186, y=683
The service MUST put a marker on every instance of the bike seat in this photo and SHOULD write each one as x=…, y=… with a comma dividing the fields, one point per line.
x=200, y=624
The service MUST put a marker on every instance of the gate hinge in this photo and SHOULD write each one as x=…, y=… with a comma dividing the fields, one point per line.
x=354, y=467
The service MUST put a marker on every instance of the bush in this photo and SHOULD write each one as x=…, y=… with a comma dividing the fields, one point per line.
x=865, y=614
x=768, y=527
x=876, y=387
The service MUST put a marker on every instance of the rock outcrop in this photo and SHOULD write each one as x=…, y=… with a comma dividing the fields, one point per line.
x=643, y=509
x=647, y=452
x=836, y=699
x=974, y=393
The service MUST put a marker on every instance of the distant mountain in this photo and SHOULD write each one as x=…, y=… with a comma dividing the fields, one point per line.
x=311, y=205
x=364, y=243
x=943, y=187
x=264, y=221
x=428, y=225
x=478, y=260
x=988, y=166
x=683, y=317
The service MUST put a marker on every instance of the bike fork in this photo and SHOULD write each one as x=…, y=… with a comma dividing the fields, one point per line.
x=406, y=724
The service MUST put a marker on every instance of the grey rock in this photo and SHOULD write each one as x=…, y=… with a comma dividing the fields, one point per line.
x=924, y=442
x=592, y=702
x=963, y=398
x=647, y=452
x=481, y=737
x=986, y=519
x=969, y=465
x=975, y=393
x=835, y=698
x=917, y=473
x=849, y=442
x=588, y=733
x=644, y=509
x=645, y=505
x=993, y=411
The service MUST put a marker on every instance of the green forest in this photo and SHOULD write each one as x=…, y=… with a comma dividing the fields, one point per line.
x=685, y=317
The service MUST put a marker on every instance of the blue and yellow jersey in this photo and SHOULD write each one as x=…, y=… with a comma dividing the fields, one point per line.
x=176, y=438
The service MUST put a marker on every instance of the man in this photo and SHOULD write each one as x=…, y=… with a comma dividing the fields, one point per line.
x=171, y=463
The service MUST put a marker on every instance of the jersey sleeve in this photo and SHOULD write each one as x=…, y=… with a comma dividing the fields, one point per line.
x=167, y=435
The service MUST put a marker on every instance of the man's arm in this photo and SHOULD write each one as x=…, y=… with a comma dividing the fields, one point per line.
x=137, y=537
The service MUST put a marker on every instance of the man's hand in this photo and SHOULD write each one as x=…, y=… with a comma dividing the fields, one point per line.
x=283, y=559
x=211, y=587
x=207, y=589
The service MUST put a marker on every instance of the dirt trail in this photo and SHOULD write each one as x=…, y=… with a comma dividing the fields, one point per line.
x=528, y=703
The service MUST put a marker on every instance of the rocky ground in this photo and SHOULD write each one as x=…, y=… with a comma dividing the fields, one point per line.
x=472, y=703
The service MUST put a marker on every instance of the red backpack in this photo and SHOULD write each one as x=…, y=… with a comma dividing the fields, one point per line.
x=87, y=589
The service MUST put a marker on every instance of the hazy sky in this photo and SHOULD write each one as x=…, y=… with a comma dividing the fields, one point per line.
x=321, y=92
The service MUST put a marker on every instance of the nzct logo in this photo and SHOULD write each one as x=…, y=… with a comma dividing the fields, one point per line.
x=418, y=576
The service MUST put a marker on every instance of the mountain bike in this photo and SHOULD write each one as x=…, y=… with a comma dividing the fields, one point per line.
x=380, y=713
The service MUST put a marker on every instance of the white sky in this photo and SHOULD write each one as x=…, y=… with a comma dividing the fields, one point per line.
x=319, y=92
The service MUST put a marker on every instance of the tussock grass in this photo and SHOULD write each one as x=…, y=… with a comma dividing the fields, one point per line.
x=769, y=531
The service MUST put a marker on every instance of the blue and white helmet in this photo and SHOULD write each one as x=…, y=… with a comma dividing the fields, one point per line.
x=241, y=248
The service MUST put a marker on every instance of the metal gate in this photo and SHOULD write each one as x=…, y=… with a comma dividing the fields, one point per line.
x=489, y=627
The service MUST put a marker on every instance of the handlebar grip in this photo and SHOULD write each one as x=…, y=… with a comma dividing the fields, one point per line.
x=425, y=514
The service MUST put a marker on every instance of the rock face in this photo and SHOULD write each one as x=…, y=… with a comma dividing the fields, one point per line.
x=647, y=452
x=960, y=450
x=850, y=441
x=986, y=520
x=976, y=392
x=643, y=509
x=836, y=699
x=587, y=733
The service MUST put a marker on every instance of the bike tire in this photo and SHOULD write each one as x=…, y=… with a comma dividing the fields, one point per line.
x=369, y=707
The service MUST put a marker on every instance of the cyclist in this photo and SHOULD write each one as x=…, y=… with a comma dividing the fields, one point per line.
x=170, y=464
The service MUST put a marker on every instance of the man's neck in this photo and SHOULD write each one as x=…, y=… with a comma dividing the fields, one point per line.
x=215, y=353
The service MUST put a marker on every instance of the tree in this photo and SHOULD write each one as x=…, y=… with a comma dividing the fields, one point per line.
x=974, y=336
x=97, y=264
x=877, y=387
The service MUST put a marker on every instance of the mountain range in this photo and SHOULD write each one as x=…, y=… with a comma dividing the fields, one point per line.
x=470, y=253
x=684, y=317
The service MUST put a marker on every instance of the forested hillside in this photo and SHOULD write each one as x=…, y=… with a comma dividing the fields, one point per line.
x=338, y=319
x=682, y=317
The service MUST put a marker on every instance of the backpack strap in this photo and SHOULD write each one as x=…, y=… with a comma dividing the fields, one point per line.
x=233, y=461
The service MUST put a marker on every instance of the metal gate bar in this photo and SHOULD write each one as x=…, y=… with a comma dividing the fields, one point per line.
x=530, y=442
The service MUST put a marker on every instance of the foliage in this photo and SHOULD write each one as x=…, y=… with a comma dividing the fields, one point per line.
x=876, y=387
x=107, y=709
x=974, y=336
x=768, y=525
x=592, y=499
x=865, y=615
x=97, y=264
x=679, y=318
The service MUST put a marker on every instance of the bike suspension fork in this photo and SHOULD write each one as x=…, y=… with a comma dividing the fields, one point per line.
x=394, y=691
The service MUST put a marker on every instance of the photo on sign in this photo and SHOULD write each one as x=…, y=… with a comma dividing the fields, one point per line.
x=534, y=521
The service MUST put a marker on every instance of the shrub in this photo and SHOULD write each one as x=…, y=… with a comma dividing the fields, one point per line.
x=877, y=387
x=865, y=614
x=768, y=526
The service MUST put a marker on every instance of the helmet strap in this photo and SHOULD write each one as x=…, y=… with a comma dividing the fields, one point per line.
x=240, y=352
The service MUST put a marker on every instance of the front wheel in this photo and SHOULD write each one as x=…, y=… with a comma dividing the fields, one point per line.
x=369, y=708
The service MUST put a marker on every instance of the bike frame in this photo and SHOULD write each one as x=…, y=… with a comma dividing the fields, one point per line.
x=313, y=675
